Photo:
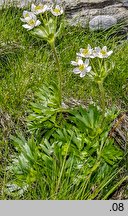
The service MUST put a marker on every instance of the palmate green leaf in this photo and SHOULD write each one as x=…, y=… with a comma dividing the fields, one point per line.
x=80, y=164
x=37, y=107
x=24, y=165
x=46, y=147
x=18, y=140
x=90, y=118
x=42, y=118
x=75, y=138
x=28, y=151
x=90, y=121
x=101, y=144
x=73, y=152
x=27, y=148
x=87, y=117
x=111, y=153
x=44, y=113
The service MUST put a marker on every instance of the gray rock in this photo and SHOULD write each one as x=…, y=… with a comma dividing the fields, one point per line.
x=125, y=4
x=102, y=22
x=82, y=11
x=18, y=3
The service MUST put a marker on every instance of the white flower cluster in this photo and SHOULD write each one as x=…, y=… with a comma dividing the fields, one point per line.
x=83, y=67
x=30, y=18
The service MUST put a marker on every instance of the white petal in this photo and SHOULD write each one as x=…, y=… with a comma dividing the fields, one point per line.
x=93, y=55
x=79, y=54
x=33, y=7
x=101, y=56
x=58, y=7
x=27, y=19
x=86, y=62
x=88, y=69
x=80, y=62
x=28, y=26
x=81, y=50
x=74, y=63
x=40, y=4
x=25, y=12
x=45, y=8
x=82, y=74
x=34, y=17
x=76, y=71
x=42, y=8
x=23, y=20
x=104, y=48
x=89, y=47
x=53, y=10
x=109, y=53
x=37, y=23
x=48, y=7
x=39, y=11
x=97, y=49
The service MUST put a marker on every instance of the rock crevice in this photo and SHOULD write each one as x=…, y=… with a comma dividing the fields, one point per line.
x=88, y=4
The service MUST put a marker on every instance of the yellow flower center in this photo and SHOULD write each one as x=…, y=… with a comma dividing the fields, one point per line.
x=31, y=22
x=81, y=67
x=39, y=7
x=26, y=15
x=56, y=10
x=103, y=52
x=85, y=52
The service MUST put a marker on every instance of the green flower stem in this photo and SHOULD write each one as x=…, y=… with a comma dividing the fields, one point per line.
x=93, y=66
x=41, y=17
x=101, y=62
x=59, y=71
x=102, y=96
x=46, y=16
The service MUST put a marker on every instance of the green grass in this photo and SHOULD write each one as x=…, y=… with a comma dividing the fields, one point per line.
x=27, y=63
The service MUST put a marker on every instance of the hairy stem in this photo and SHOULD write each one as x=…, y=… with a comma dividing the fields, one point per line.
x=102, y=96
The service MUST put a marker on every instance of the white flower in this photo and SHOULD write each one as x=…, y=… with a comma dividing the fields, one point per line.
x=57, y=10
x=83, y=67
x=26, y=16
x=37, y=9
x=86, y=53
x=31, y=22
x=102, y=53
x=75, y=63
